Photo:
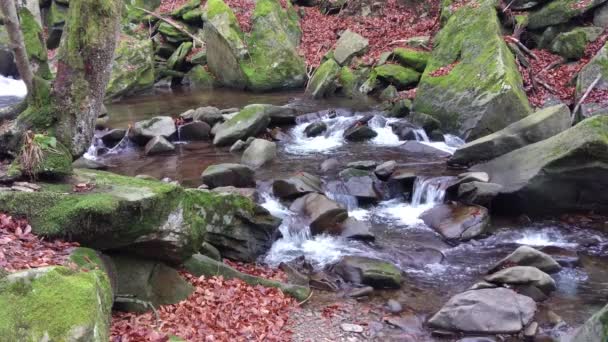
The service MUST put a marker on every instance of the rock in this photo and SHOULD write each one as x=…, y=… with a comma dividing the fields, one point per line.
x=200, y=265
x=365, y=186
x=589, y=73
x=572, y=44
x=259, y=152
x=412, y=58
x=386, y=169
x=567, y=177
x=559, y=12
x=490, y=311
x=300, y=184
x=528, y=256
x=373, y=272
x=149, y=281
x=145, y=130
x=466, y=177
x=349, y=45
x=600, y=16
x=238, y=146
x=177, y=59
x=363, y=165
x=283, y=115
x=479, y=193
x=132, y=68
x=56, y=304
x=565, y=257
x=237, y=175
x=405, y=130
x=113, y=137
x=360, y=292
x=523, y=275
x=394, y=306
x=421, y=148
x=323, y=81
x=196, y=130
x=325, y=214
x=530, y=291
x=354, y=229
x=483, y=285
x=457, y=221
x=84, y=163
x=349, y=173
x=315, y=129
x=397, y=75
x=55, y=160
x=172, y=34
x=418, y=41
x=199, y=78
x=249, y=122
x=593, y=330
x=157, y=145
x=531, y=331
x=250, y=193
x=539, y=126
x=210, y=251
x=330, y=165
x=359, y=133
x=353, y=328
x=425, y=121
x=482, y=92
x=210, y=115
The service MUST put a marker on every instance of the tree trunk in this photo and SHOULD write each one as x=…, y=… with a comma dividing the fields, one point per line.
x=11, y=22
x=83, y=70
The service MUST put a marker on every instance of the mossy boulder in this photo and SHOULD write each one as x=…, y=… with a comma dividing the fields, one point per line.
x=594, y=329
x=412, y=58
x=369, y=271
x=390, y=74
x=199, y=78
x=249, y=122
x=144, y=217
x=55, y=304
x=55, y=159
x=134, y=14
x=559, y=12
x=178, y=58
x=173, y=35
x=572, y=44
x=323, y=81
x=567, y=172
x=132, y=69
x=480, y=90
x=597, y=66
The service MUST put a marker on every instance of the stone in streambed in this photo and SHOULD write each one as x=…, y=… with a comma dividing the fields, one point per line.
x=457, y=221
x=323, y=82
x=593, y=330
x=259, y=152
x=479, y=193
x=113, y=137
x=249, y=122
x=405, y=130
x=363, y=165
x=528, y=256
x=355, y=229
x=196, y=130
x=362, y=184
x=325, y=214
x=368, y=271
x=315, y=129
x=237, y=175
x=145, y=130
x=523, y=275
x=489, y=311
x=330, y=165
x=300, y=184
x=158, y=145
x=250, y=193
x=210, y=115
x=422, y=148
x=386, y=169
x=359, y=132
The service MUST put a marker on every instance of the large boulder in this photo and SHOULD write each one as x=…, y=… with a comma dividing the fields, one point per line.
x=324, y=214
x=359, y=132
x=488, y=311
x=297, y=185
x=56, y=304
x=594, y=329
x=566, y=172
x=148, y=281
x=349, y=45
x=368, y=271
x=523, y=275
x=259, y=152
x=133, y=67
x=412, y=58
x=197, y=130
x=528, y=256
x=471, y=83
x=362, y=184
x=241, y=230
x=572, y=44
x=145, y=130
x=457, y=221
x=541, y=125
x=144, y=217
x=559, y=12
x=323, y=81
x=249, y=122
x=237, y=175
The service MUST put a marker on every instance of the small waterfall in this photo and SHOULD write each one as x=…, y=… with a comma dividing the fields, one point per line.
x=93, y=151
x=386, y=136
x=12, y=88
x=325, y=143
x=421, y=135
x=429, y=191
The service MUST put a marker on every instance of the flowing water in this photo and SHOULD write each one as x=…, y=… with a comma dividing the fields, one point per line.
x=434, y=269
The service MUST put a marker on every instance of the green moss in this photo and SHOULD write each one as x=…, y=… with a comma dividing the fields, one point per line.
x=396, y=75
x=177, y=59
x=558, y=12
x=412, y=58
x=132, y=69
x=572, y=44
x=185, y=8
x=56, y=161
x=348, y=81
x=34, y=43
x=200, y=78
x=40, y=114
x=53, y=304
x=322, y=82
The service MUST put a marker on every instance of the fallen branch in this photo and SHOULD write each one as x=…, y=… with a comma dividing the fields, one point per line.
x=584, y=97
x=522, y=46
x=550, y=66
x=545, y=85
x=174, y=24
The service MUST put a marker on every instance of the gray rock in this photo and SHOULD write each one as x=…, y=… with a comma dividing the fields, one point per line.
x=363, y=165
x=145, y=130
x=210, y=115
x=473, y=177
x=360, y=133
x=420, y=148
x=488, y=311
x=394, y=306
x=457, y=221
x=405, y=130
x=483, y=285
x=315, y=129
x=296, y=186
x=365, y=187
x=249, y=122
x=528, y=256
x=600, y=16
x=325, y=214
x=386, y=169
x=368, y=271
x=113, y=137
x=593, y=330
x=157, y=145
x=566, y=172
x=349, y=45
x=238, y=146
x=259, y=152
x=210, y=251
x=238, y=175
x=352, y=328
x=478, y=193
x=539, y=126
x=330, y=165
x=149, y=281
x=323, y=81
x=589, y=73
x=354, y=229
x=571, y=44
x=251, y=193
x=523, y=275
x=84, y=163
x=283, y=115
x=196, y=130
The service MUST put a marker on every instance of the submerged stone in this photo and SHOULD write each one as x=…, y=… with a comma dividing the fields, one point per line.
x=368, y=271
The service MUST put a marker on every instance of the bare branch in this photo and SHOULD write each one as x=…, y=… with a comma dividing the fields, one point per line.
x=584, y=97
x=11, y=22
x=174, y=24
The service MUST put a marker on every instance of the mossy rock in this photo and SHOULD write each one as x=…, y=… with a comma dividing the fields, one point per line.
x=393, y=74
x=249, y=122
x=369, y=271
x=594, y=329
x=173, y=35
x=132, y=13
x=323, y=81
x=412, y=58
x=132, y=69
x=572, y=44
x=348, y=82
x=597, y=66
x=187, y=7
x=56, y=161
x=55, y=304
x=481, y=90
x=33, y=39
x=178, y=58
x=199, y=78
x=559, y=12
x=145, y=217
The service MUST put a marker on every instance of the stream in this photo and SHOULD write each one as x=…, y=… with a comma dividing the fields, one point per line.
x=434, y=270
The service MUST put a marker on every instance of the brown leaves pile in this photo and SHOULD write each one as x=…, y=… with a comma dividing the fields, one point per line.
x=168, y=6
x=444, y=70
x=384, y=32
x=243, y=9
x=581, y=4
x=218, y=310
x=257, y=270
x=20, y=249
